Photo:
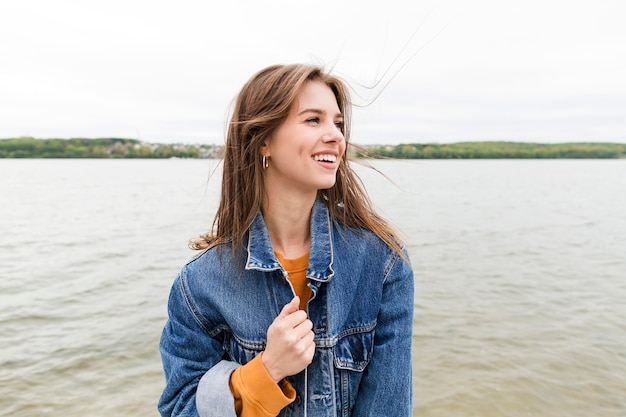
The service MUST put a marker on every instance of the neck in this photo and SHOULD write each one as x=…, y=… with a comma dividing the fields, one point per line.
x=288, y=224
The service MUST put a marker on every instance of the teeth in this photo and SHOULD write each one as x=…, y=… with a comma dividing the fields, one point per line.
x=325, y=158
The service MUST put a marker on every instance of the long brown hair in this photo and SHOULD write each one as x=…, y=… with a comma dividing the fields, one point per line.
x=261, y=106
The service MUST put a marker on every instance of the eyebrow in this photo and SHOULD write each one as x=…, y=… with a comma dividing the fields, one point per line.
x=317, y=111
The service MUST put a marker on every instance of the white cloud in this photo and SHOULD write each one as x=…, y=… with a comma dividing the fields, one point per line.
x=547, y=70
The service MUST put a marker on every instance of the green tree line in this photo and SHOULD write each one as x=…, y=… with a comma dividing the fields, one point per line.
x=100, y=148
x=496, y=150
x=28, y=147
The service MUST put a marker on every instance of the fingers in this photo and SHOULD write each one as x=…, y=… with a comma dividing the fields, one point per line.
x=308, y=347
x=290, y=316
x=293, y=327
x=308, y=342
x=290, y=307
x=290, y=342
x=303, y=328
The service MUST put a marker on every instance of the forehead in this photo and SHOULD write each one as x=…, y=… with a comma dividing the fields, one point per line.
x=316, y=95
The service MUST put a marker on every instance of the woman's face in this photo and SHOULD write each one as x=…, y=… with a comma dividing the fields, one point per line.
x=305, y=150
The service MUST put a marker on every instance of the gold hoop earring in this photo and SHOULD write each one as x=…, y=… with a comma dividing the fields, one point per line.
x=265, y=162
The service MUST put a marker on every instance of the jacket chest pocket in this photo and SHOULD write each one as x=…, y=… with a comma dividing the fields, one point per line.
x=352, y=354
x=241, y=351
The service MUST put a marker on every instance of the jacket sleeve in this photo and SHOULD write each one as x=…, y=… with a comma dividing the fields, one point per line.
x=386, y=387
x=196, y=377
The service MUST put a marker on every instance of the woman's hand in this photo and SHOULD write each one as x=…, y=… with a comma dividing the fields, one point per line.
x=290, y=346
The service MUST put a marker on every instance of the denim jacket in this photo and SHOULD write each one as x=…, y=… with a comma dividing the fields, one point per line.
x=221, y=305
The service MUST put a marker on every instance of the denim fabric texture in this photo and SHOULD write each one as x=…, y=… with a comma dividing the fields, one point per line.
x=221, y=305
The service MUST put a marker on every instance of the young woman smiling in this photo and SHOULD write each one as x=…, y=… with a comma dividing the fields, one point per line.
x=301, y=303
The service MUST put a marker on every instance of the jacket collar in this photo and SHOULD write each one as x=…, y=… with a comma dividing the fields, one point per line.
x=261, y=254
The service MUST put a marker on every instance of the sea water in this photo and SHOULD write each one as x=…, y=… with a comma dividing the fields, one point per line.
x=520, y=281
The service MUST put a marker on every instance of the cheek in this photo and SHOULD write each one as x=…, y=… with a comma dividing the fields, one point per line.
x=289, y=153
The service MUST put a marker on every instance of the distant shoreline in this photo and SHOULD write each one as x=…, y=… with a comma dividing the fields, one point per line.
x=102, y=148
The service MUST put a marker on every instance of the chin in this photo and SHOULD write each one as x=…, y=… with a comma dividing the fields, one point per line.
x=327, y=186
x=325, y=183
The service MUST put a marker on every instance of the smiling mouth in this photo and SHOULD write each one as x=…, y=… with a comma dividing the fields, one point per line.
x=324, y=158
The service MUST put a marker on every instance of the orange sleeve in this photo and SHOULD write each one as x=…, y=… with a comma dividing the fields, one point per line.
x=256, y=394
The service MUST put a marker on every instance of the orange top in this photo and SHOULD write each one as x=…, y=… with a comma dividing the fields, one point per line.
x=256, y=394
x=296, y=269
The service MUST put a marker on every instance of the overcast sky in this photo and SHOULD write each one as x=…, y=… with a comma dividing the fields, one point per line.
x=440, y=70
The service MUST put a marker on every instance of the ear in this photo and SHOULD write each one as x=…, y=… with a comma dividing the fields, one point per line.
x=265, y=150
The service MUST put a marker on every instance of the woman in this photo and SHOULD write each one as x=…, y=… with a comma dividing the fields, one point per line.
x=302, y=302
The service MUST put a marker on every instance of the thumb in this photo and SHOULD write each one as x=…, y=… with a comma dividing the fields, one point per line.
x=291, y=307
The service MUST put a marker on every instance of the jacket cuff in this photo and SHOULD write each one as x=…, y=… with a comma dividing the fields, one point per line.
x=213, y=396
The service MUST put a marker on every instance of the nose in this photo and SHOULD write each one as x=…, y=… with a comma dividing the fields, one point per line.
x=333, y=134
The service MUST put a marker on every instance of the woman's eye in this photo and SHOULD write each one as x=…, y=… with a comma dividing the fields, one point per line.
x=339, y=124
x=313, y=120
